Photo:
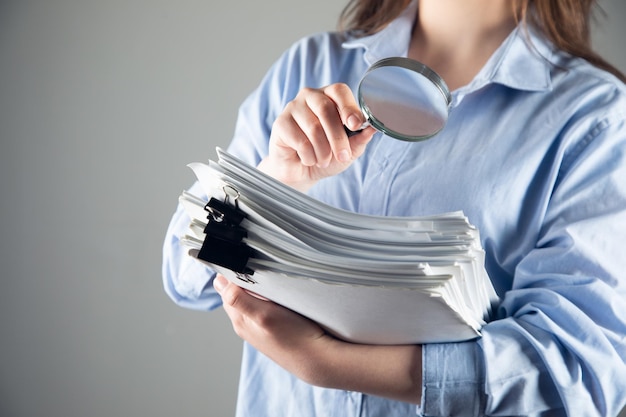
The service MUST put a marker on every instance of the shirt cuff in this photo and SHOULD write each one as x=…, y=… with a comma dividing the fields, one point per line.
x=452, y=380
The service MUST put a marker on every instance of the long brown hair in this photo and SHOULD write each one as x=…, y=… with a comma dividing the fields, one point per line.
x=566, y=23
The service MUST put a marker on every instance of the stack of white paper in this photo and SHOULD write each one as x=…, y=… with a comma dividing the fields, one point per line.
x=366, y=279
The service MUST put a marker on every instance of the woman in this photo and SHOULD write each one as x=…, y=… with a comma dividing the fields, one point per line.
x=533, y=153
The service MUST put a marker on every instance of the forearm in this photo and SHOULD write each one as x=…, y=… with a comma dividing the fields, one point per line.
x=303, y=348
x=387, y=371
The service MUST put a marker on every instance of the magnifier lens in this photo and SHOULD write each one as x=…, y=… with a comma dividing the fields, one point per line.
x=404, y=99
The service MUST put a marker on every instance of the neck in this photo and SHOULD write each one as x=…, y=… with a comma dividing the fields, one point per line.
x=457, y=37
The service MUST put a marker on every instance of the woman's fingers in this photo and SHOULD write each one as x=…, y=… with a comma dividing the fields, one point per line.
x=290, y=139
x=348, y=114
x=312, y=125
x=308, y=140
x=266, y=325
x=347, y=107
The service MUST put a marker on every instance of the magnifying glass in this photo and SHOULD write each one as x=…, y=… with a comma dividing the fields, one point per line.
x=404, y=99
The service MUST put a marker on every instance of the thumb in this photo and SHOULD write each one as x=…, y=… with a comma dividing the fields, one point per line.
x=237, y=298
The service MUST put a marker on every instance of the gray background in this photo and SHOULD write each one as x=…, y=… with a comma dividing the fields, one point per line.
x=102, y=104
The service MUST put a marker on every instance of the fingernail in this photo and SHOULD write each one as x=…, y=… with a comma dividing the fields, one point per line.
x=353, y=122
x=344, y=156
x=219, y=283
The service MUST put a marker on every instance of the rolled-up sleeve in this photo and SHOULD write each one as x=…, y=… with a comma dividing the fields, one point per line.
x=558, y=343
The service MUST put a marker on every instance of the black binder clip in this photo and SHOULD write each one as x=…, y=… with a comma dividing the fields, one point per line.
x=223, y=242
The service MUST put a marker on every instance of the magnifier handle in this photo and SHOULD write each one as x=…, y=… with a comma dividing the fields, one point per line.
x=351, y=133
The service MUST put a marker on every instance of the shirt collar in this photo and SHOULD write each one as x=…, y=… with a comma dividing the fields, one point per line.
x=522, y=62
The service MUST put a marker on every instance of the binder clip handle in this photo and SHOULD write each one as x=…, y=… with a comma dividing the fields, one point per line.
x=223, y=241
x=221, y=211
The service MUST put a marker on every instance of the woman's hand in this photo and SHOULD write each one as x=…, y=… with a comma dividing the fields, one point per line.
x=308, y=140
x=287, y=338
x=301, y=346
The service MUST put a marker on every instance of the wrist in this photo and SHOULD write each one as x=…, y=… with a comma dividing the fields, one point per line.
x=287, y=176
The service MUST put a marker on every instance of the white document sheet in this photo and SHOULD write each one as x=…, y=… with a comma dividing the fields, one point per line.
x=366, y=279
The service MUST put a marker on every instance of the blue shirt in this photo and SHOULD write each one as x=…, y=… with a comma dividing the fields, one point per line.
x=534, y=153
